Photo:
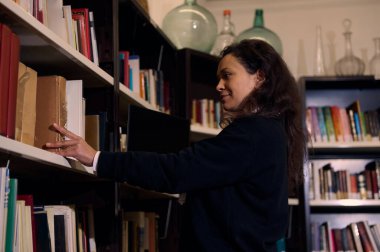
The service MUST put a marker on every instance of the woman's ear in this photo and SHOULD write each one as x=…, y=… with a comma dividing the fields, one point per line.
x=260, y=77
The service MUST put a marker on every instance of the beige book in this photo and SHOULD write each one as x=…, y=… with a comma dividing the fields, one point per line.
x=26, y=104
x=92, y=131
x=51, y=108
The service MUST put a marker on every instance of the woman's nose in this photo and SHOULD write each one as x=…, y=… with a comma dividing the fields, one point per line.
x=220, y=86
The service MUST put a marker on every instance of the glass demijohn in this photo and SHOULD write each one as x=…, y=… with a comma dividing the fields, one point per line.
x=226, y=37
x=190, y=26
x=258, y=31
x=374, y=63
x=349, y=64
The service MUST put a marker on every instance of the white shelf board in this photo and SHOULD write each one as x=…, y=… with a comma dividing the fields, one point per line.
x=29, y=152
x=344, y=202
x=198, y=132
x=293, y=202
x=363, y=144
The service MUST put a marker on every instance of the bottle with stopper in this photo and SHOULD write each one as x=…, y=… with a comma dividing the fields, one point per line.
x=226, y=37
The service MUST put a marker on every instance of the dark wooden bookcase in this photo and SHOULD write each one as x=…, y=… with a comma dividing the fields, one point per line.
x=349, y=156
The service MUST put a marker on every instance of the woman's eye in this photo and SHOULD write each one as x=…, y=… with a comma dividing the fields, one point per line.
x=226, y=75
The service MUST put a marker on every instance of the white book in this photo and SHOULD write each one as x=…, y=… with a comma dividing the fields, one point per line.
x=67, y=14
x=152, y=87
x=55, y=19
x=74, y=105
x=94, y=45
x=70, y=222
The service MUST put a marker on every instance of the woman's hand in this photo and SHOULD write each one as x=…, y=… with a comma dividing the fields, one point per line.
x=74, y=146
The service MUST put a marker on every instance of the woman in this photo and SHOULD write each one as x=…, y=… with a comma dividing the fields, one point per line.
x=236, y=182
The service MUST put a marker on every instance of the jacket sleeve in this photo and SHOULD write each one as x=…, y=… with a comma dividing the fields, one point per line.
x=219, y=161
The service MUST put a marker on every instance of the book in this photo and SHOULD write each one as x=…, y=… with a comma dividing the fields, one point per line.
x=55, y=19
x=43, y=241
x=67, y=14
x=5, y=40
x=94, y=43
x=74, y=104
x=4, y=177
x=29, y=202
x=50, y=108
x=364, y=237
x=329, y=124
x=356, y=110
x=12, y=84
x=26, y=105
x=356, y=237
x=81, y=15
x=134, y=63
x=11, y=217
x=92, y=136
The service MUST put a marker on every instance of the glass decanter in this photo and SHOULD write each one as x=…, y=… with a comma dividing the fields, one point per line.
x=258, y=31
x=349, y=64
x=226, y=37
x=190, y=26
x=374, y=63
x=319, y=62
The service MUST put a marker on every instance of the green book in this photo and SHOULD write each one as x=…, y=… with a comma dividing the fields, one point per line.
x=9, y=235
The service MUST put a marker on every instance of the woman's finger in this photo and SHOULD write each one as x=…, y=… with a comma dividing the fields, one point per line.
x=62, y=144
x=64, y=131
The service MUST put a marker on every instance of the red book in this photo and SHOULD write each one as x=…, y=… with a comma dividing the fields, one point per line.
x=364, y=237
x=5, y=40
x=13, y=83
x=28, y=198
x=81, y=15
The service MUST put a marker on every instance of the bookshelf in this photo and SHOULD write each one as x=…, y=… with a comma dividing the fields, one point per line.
x=331, y=207
x=51, y=178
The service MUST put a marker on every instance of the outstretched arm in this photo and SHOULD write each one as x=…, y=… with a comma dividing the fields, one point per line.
x=74, y=146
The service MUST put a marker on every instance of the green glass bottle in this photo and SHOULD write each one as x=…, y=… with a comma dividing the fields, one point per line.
x=258, y=31
x=190, y=26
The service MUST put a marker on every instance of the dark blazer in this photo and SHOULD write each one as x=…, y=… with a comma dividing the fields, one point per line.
x=236, y=185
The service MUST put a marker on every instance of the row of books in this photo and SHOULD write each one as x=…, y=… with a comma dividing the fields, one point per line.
x=337, y=124
x=27, y=227
x=74, y=25
x=30, y=103
x=357, y=236
x=206, y=112
x=327, y=183
x=149, y=84
x=139, y=231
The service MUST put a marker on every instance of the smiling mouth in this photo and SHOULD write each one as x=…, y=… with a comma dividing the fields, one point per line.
x=222, y=96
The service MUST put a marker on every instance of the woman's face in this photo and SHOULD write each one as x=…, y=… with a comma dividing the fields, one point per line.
x=235, y=83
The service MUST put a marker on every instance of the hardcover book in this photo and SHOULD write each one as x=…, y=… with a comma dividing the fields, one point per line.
x=51, y=108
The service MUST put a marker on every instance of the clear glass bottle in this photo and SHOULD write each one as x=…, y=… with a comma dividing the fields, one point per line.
x=226, y=37
x=349, y=64
x=374, y=63
x=190, y=26
x=319, y=64
x=258, y=31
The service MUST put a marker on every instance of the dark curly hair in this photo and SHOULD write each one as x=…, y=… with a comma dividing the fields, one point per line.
x=277, y=96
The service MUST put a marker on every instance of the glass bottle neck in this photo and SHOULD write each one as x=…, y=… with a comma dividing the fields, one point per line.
x=228, y=27
x=348, y=45
x=377, y=45
x=259, y=19
x=190, y=2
